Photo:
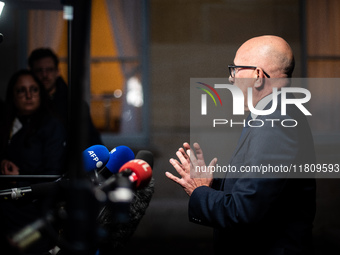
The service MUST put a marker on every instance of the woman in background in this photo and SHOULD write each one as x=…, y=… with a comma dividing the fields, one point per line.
x=32, y=139
x=32, y=142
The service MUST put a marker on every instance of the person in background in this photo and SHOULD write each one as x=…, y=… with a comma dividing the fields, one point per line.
x=32, y=142
x=32, y=138
x=45, y=65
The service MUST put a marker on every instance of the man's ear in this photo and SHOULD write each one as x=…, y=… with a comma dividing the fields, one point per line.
x=259, y=78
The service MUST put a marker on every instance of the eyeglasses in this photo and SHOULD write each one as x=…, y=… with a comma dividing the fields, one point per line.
x=21, y=92
x=234, y=69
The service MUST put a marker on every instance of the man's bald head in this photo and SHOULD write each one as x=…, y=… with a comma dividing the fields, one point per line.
x=271, y=53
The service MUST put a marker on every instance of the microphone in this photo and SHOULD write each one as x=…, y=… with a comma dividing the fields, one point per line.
x=138, y=171
x=119, y=222
x=135, y=174
x=39, y=190
x=117, y=157
x=145, y=155
x=14, y=193
x=95, y=157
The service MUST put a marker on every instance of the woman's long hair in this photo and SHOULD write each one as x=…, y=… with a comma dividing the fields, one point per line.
x=11, y=111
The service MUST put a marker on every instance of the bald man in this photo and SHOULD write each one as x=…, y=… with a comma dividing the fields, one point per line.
x=267, y=216
x=270, y=55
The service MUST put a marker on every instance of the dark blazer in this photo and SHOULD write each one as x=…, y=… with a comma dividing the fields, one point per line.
x=38, y=151
x=263, y=215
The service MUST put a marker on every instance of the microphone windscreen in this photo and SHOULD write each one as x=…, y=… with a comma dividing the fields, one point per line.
x=118, y=157
x=145, y=155
x=141, y=169
x=95, y=157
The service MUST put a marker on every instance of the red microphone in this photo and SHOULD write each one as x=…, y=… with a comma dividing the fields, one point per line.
x=140, y=172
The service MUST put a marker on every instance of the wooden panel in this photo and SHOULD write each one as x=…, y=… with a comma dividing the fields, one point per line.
x=323, y=27
x=320, y=68
x=323, y=61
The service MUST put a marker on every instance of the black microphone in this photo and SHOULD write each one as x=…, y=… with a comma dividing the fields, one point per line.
x=145, y=155
x=36, y=191
x=14, y=193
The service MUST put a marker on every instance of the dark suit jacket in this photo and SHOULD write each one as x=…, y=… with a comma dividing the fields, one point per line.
x=262, y=215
